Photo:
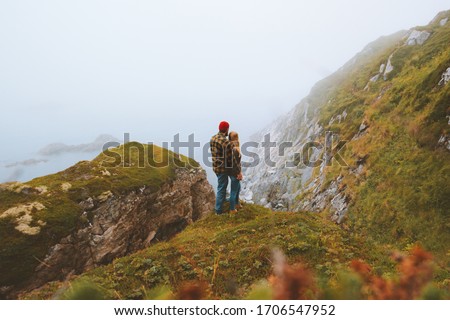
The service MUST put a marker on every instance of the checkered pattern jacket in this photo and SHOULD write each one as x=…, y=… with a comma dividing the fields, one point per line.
x=224, y=158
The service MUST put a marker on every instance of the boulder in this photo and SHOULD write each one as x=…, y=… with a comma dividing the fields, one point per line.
x=445, y=77
x=389, y=67
x=417, y=37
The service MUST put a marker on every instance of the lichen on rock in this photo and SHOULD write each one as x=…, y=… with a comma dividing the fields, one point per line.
x=66, y=186
x=23, y=217
x=105, y=196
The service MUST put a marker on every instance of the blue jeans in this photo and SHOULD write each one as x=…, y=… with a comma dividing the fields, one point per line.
x=221, y=191
x=234, y=193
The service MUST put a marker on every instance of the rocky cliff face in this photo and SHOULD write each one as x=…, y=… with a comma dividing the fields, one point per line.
x=389, y=106
x=110, y=224
x=283, y=185
x=126, y=223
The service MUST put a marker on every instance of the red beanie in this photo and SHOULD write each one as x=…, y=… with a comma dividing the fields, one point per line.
x=223, y=126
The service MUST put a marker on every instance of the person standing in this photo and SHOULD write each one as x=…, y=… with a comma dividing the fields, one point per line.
x=235, y=173
x=222, y=160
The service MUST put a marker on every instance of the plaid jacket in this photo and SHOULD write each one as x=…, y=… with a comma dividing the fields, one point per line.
x=224, y=159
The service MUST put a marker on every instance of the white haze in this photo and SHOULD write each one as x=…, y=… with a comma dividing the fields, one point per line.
x=71, y=70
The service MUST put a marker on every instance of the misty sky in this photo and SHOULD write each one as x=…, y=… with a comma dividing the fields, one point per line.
x=71, y=70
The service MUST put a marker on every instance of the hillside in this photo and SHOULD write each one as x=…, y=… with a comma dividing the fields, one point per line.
x=85, y=216
x=228, y=256
x=389, y=109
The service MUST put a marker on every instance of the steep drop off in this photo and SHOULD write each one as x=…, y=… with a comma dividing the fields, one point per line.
x=85, y=216
x=390, y=109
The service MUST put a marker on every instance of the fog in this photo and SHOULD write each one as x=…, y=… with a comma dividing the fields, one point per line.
x=72, y=70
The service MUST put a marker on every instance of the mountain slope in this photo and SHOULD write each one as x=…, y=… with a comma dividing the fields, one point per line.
x=389, y=107
x=229, y=253
x=95, y=211
x=227, y=256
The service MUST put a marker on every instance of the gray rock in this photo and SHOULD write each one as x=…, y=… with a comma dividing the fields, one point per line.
x=333, y=197
x=374, y=78
x=417, y=37
x=344, y=114
x=340, y=206
x=444, y=141
x=87, y=204
x=445, y=77
x=389, y=67
x=443, y=22
x=279, y=206
x=363, y=126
